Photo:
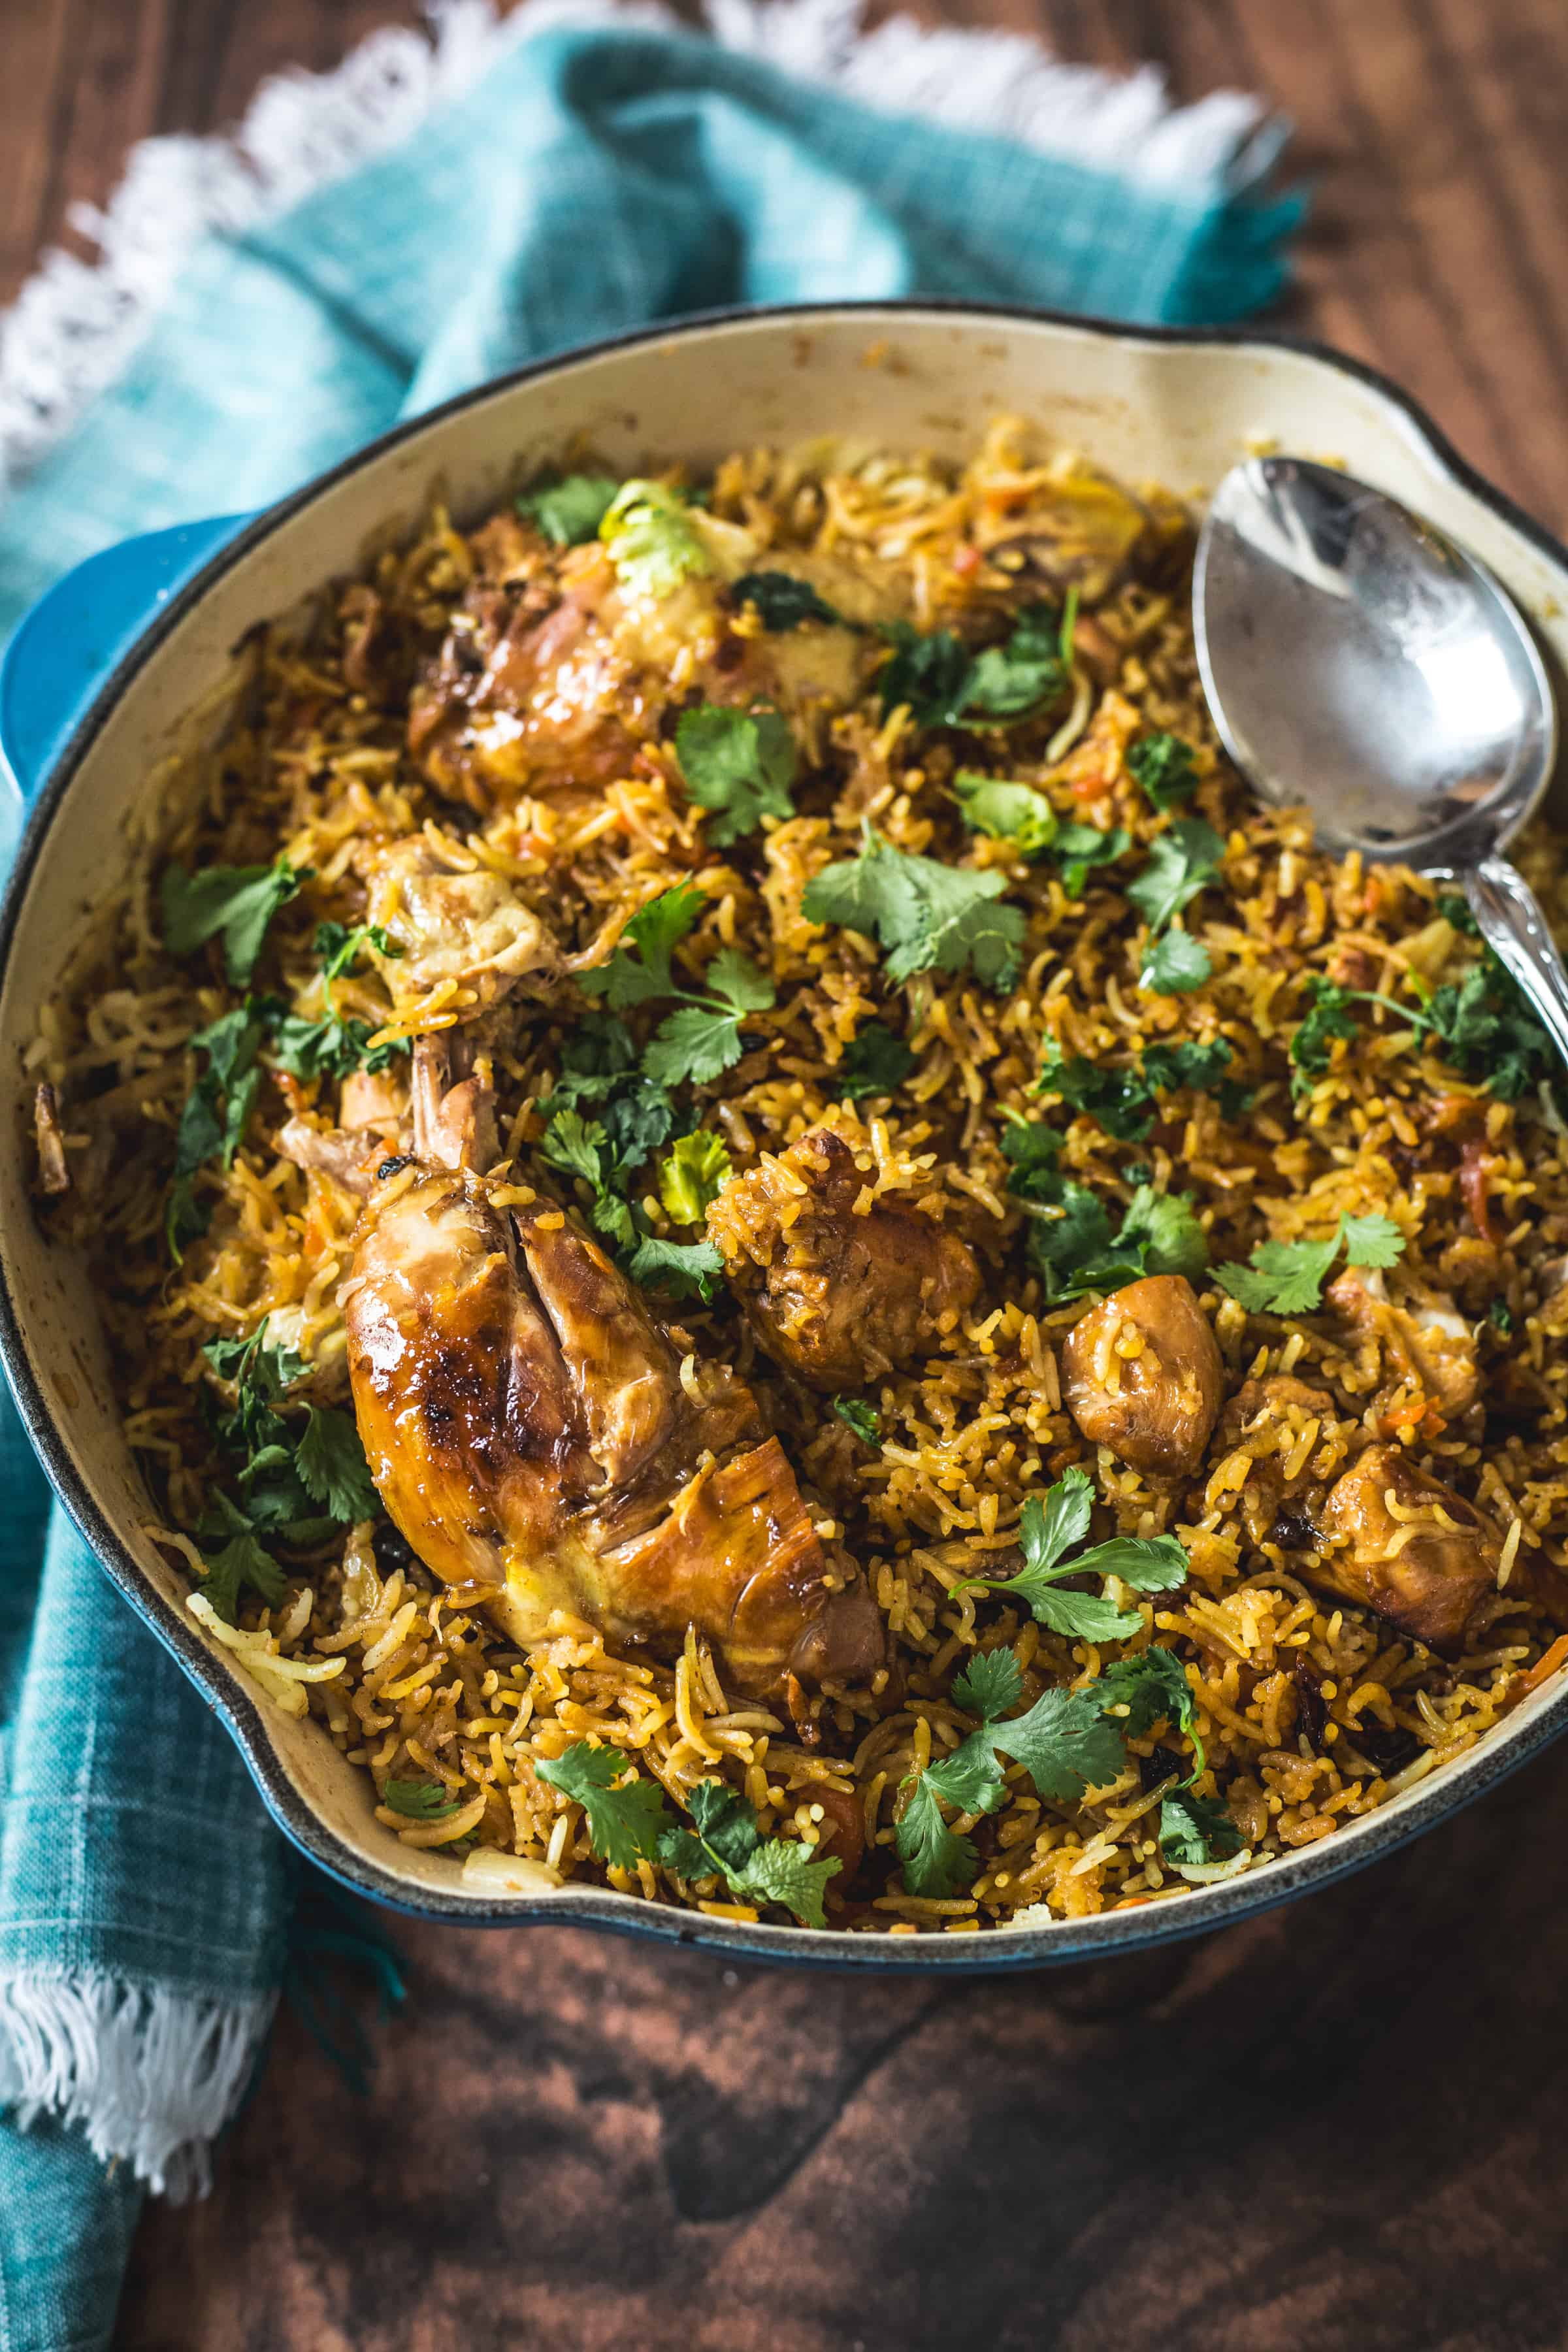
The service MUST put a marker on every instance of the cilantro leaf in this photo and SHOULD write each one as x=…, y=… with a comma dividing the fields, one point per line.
x=1162, y=766
x=648, y=528
x=689, y=1269
x=1154, y=1689
x=936, y=1861
x=1079, y=847
x=568, y=512
x=989, y=1685
x=1013, y=813
x=862, y=1418
x=236, y=902
x=727, y=1844
x=330, y=1048
x=927, y=915
x=1049, y=1530
x=419, y=1801
x=242, y=1562
x=1202, y=1067
x=1287, y=1277
x=874, y=1063
x=1181, y=861
x=1148, y=1563
x=694, y=1174
x=1329, y=1016
x=738, y=982
x=942, y=684
x=738, y=764
x=340, y=946
x=1164, y=1233
x=695, y=1044
x=333, y=1468
x=1066, y=1743
x=1119, y=1101
x=1195, y=1831
x=1175, y=963
x=580, y=1147
x=783, y=1871
x=642, y=970
x=625, y=1814
x=782, y=601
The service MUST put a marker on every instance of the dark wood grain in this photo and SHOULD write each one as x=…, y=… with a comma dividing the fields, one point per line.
x=1337, y=2127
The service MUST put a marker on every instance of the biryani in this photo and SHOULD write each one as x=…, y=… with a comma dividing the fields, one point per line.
x=759, y=1234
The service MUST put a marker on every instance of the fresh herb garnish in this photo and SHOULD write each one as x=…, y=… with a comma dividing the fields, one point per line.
x=1122, y=1100
x=1047, y=1531
x=927, y=915
x=1161, y=765
x=942, y=684
x=648, y=528
x=568, y=512
x=703, y=1038
x=341, y=945
x=580, y=1147
x=625, y=1814
x=782, y=601
x=694, y=1175
x=419, y=1801
x=862, y=1418
x=629, y=1821
x=686, y=1270
x=1011, y=813
x=1195, y=1831
x=740, y=764
x=1181, y=861
x=727, y=1844
x=1067, y=1742
x=1077, y=1249
x=1500, y=1315
x=1287, y=1277
x=1173, y=964
x=874, y=1063
x=233, y=902
x=1457, y=910
x=1080, y=848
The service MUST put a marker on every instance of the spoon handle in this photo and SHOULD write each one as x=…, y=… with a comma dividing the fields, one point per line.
x=1514, y=928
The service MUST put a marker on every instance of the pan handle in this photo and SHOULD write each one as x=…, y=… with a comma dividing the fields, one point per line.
x=65, y=645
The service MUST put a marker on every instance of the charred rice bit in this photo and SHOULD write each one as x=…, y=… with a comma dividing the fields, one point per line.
x=1312, y=1705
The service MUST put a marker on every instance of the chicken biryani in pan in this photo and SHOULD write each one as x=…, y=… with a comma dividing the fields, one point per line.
x=764, y=1238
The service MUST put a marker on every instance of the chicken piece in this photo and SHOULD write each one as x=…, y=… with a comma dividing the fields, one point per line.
x=54, y=1174
x=533, y=1438
x=373, y=1098
x=458, y=926
x=1276, y=1421
x=836, y=1293
x=1425, y=1341
x=346, y=1155
x=1399, y=1542
x=1142, y=1374
x=1081, y=530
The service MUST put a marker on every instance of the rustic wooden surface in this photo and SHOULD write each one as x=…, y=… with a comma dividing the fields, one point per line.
x=1338, y=2126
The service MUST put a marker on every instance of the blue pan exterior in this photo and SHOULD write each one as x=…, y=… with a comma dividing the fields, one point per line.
x=61, y=719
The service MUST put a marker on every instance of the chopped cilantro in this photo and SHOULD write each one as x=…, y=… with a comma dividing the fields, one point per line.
x=1500, y=1315
x=1047, y=1531
x=942, y=684
x=694, y=1175
x=1329, y=1016
x=331, y=1048
x=727, y=1844
x=927, y=915
x=1012, y=813
x=626, y=1814
x=1161, y=765
x=1076, y=1250
x=1119, y=1101
x=340, y=946
x=862, y=1418
x=331, y=1460
x=1067, y=1742
x=1287, y=1277
x=1175, y=963
x=233, y=902
x=689, y=1269
x=1181, y=861
x=641, y=969
x=782, y=601
x=243, y=1561
x=570, y=510
x=1456, y=910
x=703, y=1037
x=1081, y=847
x=740, y=764
x=419, y=1801
x=1196, y=1831
x=874, y=1063
x=648, y=528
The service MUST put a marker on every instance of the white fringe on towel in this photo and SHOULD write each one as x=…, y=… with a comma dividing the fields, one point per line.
x=74, y=322
x=153, y=2077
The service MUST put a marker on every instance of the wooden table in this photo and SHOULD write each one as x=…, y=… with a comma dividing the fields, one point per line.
x=1338, y=2126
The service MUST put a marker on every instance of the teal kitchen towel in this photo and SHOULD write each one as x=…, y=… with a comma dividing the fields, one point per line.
x=593, y=175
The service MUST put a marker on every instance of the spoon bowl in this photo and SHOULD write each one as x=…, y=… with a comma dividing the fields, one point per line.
x=1359, y=664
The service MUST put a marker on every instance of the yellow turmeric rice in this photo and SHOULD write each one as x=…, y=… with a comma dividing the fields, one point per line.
x=1092, y=1265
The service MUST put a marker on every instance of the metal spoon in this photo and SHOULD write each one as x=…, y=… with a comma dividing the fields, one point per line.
x=1359, y=664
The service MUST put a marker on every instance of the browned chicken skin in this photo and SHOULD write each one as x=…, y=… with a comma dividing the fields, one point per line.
x=1398, y=1541
x=530, y=1433
x=1142, y=1374
x=836, y=1295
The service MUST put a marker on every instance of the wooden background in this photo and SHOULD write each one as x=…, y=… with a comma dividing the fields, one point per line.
x=1337, y=2127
